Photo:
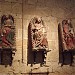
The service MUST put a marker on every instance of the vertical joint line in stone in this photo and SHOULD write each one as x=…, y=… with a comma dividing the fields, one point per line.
x=22, y=31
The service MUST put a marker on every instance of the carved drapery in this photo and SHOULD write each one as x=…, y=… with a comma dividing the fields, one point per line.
x=67, y=35
x=37, y=41
x=66, y=42
x=7, y=32
x=7, y=39
x=38, y=34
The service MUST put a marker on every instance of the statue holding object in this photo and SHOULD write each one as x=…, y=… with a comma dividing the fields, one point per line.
x=38, y=34
x=7, y=32
x=68, y=35
x=66, y=42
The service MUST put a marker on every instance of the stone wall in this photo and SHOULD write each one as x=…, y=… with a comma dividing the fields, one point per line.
x=52, y=13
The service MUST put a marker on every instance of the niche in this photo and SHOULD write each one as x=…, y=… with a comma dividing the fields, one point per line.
x=37, y=41
x=7, y=40
x=66, y=42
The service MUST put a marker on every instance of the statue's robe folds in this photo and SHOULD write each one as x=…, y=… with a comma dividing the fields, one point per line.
x=38, y=35
x=68, y=37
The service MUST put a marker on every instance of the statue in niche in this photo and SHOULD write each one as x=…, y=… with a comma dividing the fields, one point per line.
x=37, y=41
x=38, y=34
x=7, y=39
x=66, y=42
x=68, y=35
x=7, y=32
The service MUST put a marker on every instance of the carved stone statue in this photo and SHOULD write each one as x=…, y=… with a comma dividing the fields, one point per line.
x=38, y=34
x=7, y=32
x=68, y=35
x=7, y=39
x=66, y=42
